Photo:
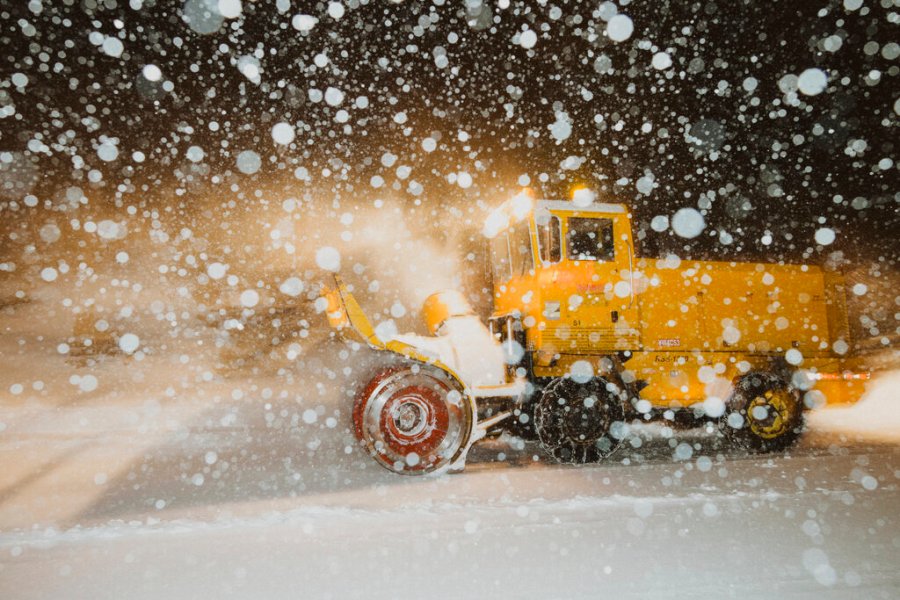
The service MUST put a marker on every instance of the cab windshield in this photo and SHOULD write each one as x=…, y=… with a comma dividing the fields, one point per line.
x=589, y=239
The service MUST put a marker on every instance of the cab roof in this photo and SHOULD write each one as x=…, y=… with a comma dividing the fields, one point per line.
x=594, y=207
x=521, y=206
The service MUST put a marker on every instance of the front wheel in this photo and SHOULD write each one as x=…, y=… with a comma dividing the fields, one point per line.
x=575, y=421
x=413, y=419
x=765, y=413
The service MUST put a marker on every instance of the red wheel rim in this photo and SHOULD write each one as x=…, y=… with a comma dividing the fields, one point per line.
x=414, y=420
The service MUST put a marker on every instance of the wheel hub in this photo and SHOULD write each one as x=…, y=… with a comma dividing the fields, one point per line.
x=412, y=421
x=585, y=419
x=409, y=418
x=770, y=413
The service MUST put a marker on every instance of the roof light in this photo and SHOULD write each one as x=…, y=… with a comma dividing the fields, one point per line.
x=583, y=196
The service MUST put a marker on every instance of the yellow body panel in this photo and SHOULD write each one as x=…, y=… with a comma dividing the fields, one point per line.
x=749, y=307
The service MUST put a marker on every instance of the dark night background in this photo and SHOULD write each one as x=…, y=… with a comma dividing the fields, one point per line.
x=757, y=162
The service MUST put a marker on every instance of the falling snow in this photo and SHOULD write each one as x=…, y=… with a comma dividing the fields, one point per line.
x=627, y=235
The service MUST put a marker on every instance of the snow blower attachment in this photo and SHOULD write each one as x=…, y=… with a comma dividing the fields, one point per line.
x=420, y=415
x=600, y=339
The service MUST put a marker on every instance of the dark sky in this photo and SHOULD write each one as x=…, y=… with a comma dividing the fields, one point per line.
x=723, y=128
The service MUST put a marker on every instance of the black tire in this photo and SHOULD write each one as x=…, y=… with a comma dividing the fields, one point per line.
x=764, y=413
x=574, y=420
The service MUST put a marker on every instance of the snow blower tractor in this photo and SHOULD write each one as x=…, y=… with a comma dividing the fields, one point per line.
x=585, y=339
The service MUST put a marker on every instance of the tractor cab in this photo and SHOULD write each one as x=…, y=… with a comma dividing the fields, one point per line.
x=563, y=278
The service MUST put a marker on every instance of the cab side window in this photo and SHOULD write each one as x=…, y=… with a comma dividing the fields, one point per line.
x=501, y=266
x=520, y=249
x=590, y=239
x=550, y=241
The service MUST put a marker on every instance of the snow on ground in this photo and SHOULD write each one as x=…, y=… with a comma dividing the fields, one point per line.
x=820, y=522
x=182, y=479
x=876, y=417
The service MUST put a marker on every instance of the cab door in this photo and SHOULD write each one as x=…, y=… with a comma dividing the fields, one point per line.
x=600, y=252
x=594, y=283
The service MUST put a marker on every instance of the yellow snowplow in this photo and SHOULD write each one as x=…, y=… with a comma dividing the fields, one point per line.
x=591, y=337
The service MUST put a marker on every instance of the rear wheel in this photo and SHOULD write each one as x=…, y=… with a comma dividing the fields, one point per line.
x=574, y=420
x=413, y=419
x=765, y=413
